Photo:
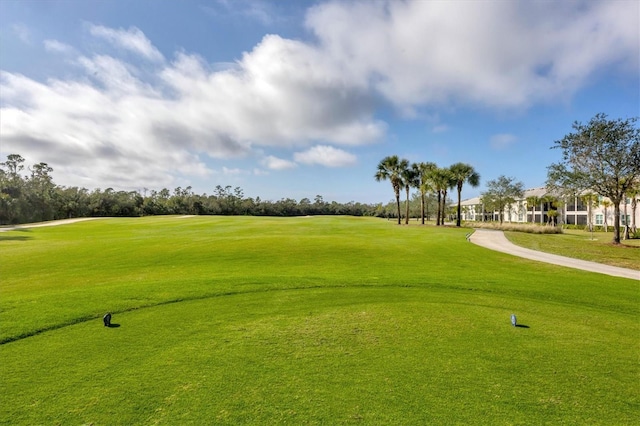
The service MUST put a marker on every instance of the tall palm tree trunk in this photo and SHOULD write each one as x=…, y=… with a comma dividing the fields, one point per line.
x=398, y=207
x=444, y=204
x=533, y=214
x=458, y=219
x=634, y=204
x=626, y=219
x=406, y=219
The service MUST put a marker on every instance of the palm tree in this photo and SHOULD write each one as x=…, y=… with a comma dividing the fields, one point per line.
x=391, y=168
x=442, y=181
x=425, y=185
x=634, y=194
x=555, y=205
x=631, y=195
x=410, y=179
x=591, y=200
x=532, y=201
x=450, y=184
x=606, y=204
x=549, y=200
x=463, y=173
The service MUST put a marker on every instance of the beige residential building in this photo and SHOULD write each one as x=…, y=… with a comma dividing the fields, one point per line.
x=570, y=211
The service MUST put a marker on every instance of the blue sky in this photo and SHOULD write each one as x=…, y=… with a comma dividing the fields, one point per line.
x=293, y=99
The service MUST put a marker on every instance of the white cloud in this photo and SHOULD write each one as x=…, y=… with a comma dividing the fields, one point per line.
x=327, y=156
x=496, y=54
x=275, y=163
x=260, y=172
x=440, y=128
x=56, y=46
x=91, y=137
x=132, y=39
x=117, y=77
x=232, y=171
x=281, y=94
x=502, y=141
x=22, y=32
x=260, y=11
x=94, y=128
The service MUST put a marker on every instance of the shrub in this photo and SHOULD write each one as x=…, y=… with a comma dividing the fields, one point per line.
x=567, y=226
x=601, y=228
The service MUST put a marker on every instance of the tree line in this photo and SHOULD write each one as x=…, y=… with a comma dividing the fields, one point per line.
x=34, y=197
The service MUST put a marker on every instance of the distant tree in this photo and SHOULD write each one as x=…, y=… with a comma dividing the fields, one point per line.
x=634, y=194
x=391, y=168
x=425, y=184
x=442, y=180
x=12, y=202
x=626, y=217
x=550, y=202
x=603, y=156
x=41, y=192
x=502, y=192
x=532, y=201
x=463, y=173
x=410, y=179
x=13, y=166
x=605, y=205
x=74, y=202
x=591, y=200
x=304, y=206
x=446, y=202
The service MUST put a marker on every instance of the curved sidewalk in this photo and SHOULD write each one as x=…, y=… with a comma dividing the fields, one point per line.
x=495, y=240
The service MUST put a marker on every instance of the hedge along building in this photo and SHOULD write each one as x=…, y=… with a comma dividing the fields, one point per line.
x=537, y=205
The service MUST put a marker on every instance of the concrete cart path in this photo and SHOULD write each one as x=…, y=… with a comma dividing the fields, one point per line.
x=495, y=240
x=50, y=223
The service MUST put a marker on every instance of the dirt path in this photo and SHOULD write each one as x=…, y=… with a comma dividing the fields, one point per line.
x=495, y=240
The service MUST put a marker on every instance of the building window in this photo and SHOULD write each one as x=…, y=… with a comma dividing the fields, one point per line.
x=599, y=219
x=624, y=220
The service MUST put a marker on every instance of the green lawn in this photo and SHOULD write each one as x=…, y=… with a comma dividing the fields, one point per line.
x=323, y=320
x=596, y=247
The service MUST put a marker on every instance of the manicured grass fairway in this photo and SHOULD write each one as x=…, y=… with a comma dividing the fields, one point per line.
x=318, y=320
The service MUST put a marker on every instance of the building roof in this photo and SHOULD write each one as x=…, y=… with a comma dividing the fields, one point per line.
x=535, y=192
x=532, y=192
x=470, y=201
